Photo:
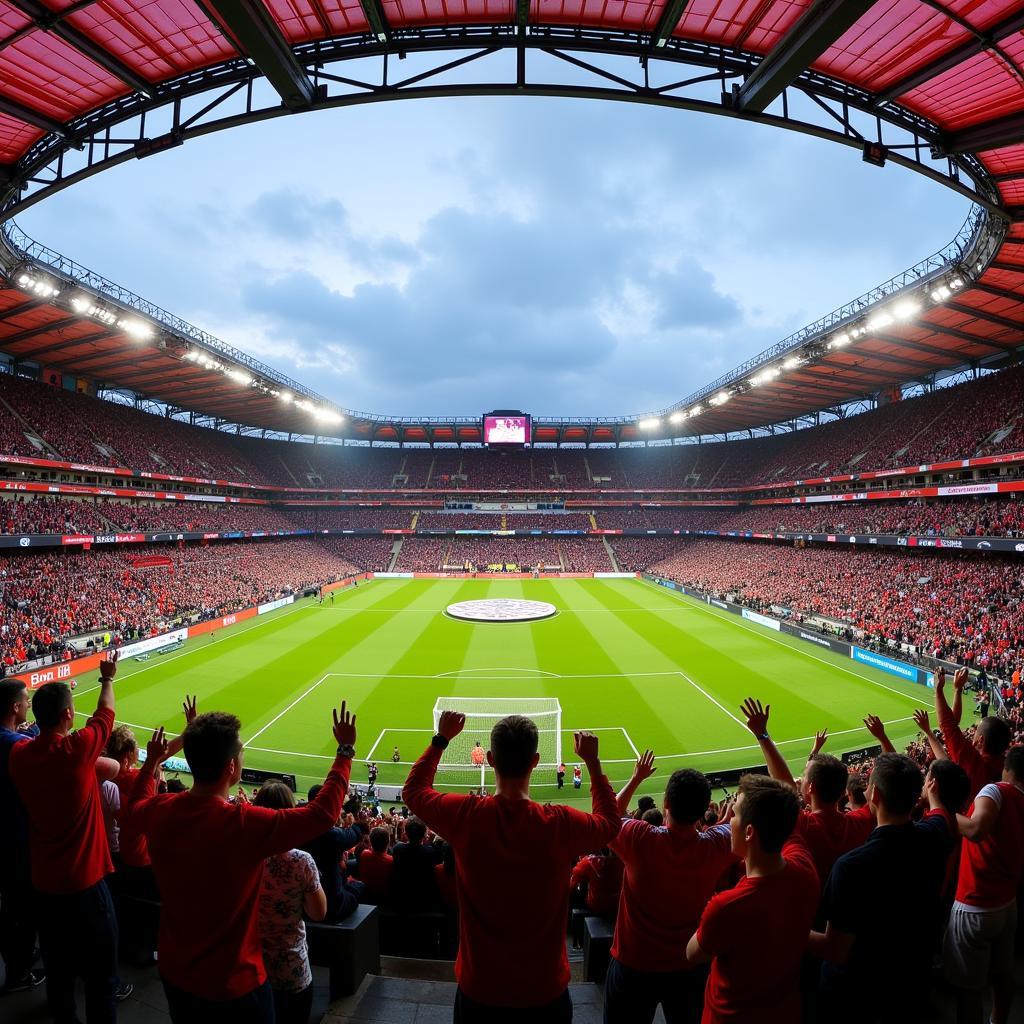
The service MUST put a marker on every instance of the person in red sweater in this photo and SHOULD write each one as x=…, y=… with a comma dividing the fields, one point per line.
x=376, y=866
x=979, y=946
x=755, y=934
x=602, y=873
x=982, y=759
x=207, y=853
x=670, y=874
x=828, y=831
x=55, y=775
x=512, y=857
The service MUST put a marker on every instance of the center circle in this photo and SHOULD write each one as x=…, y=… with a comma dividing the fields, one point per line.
x=501, y=609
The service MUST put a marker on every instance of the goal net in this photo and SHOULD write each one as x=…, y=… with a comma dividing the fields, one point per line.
x=460, y=767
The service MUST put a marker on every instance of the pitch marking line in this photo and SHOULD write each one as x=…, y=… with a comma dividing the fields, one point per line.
x=456, y=673
x=721, y=707
x=793, y=647
x=624, y=733
x=369, y=756
x=468, y=671
x=281, y=714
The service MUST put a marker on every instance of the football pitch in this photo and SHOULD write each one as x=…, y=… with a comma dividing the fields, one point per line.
x=635, y=663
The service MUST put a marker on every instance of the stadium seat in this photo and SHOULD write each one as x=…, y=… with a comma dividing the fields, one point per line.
x=597, y=947
x=350, y=949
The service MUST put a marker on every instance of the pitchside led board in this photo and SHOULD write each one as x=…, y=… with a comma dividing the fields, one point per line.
x=506, y=429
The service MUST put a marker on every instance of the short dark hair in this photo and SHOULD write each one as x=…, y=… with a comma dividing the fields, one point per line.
x=856, y=784
x=314, y=791
x=210, y=742
x=769, y=806
x=513, y=744
x=828, y=776
x=415, y=830
x=275, y=795
x=653, y=817
x=176, y=786
x=379, y=838
x=687, y=795
x=644, y=804
x=11, y=691
x=995, y=735
x=953, y=784
x=49, y=704
x=1015, y=761
x=898, y=780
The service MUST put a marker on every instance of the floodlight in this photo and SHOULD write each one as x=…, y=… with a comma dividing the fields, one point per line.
x=677, y=417
x=792, y=363
x=879, y=320
x=649, y=424
x=906, y=309
x=138, y=329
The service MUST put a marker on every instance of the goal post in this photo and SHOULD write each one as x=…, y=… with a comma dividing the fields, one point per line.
x=482, y=713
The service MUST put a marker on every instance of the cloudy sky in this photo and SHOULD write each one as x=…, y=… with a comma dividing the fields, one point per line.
x=447, y=257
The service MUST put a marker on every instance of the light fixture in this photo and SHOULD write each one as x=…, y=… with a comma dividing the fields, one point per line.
x=652, y=423
x=677, y=417
x=941, y=293
x=905, y=309
x=792, y=363
x=696, y=410
x=285, y=396
x=839, y=340
x=239, y=376
x=879, y=320
x=137, y=329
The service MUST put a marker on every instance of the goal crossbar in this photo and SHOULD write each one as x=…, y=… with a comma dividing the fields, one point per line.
x=483, y=713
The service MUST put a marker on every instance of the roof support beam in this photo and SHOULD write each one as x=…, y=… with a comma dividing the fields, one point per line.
x=86, y=339
x=999, y=293
x=252, y=25
x=1002, y=131
x=917, y=346
x=992, y=318
x=667, y=22
x=949, y=60
x=23, y=307
x=953, y=332
x=100, y=364
x=1013, y=268
x=378, y=19
x=816, y=30
x=34, y=332
x=49, y=21
x=32, y=117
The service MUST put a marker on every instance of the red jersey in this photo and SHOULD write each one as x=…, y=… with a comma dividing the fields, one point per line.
x=981, y=768
x=603, y=876
x=991, y=870
x=830, y=833
x=208, y=857
x=131, y=843
x=375, y=871
x=670, y=874
x=512, y=858
x=55, y=776
x=757, y=934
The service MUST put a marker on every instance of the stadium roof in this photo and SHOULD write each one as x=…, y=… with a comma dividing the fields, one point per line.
x=937, y=83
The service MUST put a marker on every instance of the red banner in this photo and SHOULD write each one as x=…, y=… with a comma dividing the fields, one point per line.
x=61, y=671
x=225, y=620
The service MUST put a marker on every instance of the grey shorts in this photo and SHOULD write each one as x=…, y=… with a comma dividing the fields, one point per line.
x=978, y=948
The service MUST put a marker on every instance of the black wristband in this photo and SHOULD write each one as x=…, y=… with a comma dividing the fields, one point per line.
x=439, y=741
x=346, y=750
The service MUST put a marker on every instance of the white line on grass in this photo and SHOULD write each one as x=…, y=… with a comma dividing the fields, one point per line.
x=287, y=709
x=369, y=756
x=628, y=740
x=468, y=671
x=720, y=706
x=792, y=647
x=553, y=675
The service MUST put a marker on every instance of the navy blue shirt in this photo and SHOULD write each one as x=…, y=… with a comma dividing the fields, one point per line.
x=886, y=894
x=12, y=810
x=327, y=850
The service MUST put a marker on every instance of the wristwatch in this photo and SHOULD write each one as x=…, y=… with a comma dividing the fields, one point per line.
x=346, y=750
x=764, y=736
x=439, y=741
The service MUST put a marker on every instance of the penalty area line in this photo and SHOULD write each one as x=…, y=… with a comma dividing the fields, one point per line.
x=281, y=714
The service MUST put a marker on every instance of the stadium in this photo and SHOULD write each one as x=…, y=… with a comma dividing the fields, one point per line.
x=822, y=547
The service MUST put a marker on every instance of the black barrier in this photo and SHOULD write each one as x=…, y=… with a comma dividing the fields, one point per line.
x=863, y=754
x=730, y=777
x=256, y=777
x=828, y=643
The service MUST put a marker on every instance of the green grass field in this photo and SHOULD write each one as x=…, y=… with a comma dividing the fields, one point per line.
x=640, y=665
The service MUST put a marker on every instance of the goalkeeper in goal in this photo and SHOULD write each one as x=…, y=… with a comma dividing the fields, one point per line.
x=512, y=860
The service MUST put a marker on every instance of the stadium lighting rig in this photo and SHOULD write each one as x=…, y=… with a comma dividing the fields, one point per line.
x=85, y=305
x=899, y=311
x=41, y=286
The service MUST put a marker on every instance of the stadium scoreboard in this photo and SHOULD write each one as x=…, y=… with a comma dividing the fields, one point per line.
x=506, y=428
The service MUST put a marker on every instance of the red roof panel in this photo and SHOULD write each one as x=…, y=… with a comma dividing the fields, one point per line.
x=447, y=12
x=746, y=24
x=1004, y=161
x=15, y=138
x=303, y=20
x=637, y=15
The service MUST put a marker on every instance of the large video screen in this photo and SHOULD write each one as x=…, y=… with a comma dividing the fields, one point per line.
x=507, y=429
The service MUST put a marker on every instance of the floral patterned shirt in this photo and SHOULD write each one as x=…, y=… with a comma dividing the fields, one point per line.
x=287, y=878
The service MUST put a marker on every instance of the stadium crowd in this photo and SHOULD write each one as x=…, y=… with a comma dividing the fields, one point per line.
x=823, y=898
x=952, y=606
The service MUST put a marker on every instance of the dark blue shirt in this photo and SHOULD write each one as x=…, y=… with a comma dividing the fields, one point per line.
x=327, y=850
x=12, y=810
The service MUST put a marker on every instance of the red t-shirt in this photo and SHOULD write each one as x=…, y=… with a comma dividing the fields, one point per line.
x=603, y=876
x=757, y=934
x=56, y=779
x=208, y=859
x=991, y=870
x=512, y=859
x=131, y=843
x=830, y=833
x=981, y=768
x=375, y=870
x=670, y=874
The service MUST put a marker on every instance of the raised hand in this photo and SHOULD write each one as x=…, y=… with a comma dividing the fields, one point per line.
x=451, y=724
x=189, y=707
x=344, y=726
x=922, y=721
x=756, y=716
x=156, y=749
x=644, y=766
x=820, y=739
x=960, y=679
x=108, y=668
x=586, y=746
x=875, y=726
x=940, y=678
x=727, y=811
x=242, y=797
